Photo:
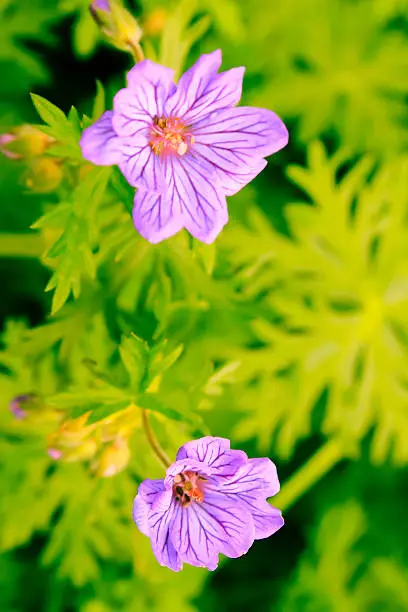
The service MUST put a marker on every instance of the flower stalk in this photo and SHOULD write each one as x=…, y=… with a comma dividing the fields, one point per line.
x=153, y=441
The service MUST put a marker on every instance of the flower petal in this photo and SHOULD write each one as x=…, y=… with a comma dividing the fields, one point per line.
x=232, y=137
x=139, y=165
x=201, y=90
x=183, y=465
x=201, y=531
x=214, y=452
x=267, y=519
x=149, y=86
x=160, y=519
x=251, y=485
x=100, y=144
x=200, y=198
x=150, y=489
x=232, y=182
x=146, y=495
x=256, y=475
x=140, y=514
x=157, y=216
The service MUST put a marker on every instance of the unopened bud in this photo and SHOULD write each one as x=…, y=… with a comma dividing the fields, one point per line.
x=21, y=404
x=82, y=452
x=154, y=22
x=116, y=23
x=70, y=433
x=113, y=459
x=24, y=142
x=30, y=407
x=43, y=175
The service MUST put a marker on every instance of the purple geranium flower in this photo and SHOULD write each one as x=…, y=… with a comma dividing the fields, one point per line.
x=185, y=147
x=213, y=500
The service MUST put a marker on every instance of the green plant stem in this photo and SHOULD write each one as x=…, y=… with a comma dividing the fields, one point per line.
x=136, y=51
x=309, y=474
x=21, y=245
x=153, y=441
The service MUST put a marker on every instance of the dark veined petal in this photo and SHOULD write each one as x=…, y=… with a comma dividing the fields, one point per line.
x=232, y=182
x=267, y=519
x=239, y=136
x=100, y=144
x=146, y=495
x=155, y=216
x=201, y=91
x=185, y=464
x=214, y=452
x=192, y=200
x=160, y=519
x=139, y=165
x=251, y=485
x=140, y=513
x=158, y=216
x=200, y=198
x=200, y=532
x=149, y=86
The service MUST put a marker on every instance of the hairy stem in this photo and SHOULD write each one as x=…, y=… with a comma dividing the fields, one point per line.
x=153, y=441
x=310, y=473
x=21, y=245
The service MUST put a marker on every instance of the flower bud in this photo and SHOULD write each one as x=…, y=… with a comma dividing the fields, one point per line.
x=154, y=22
x=116, y=23
x=82, y=452
x=24, y=142
x=21, y=404
x=43, y=175
x=70, y=433
x=30, y=406
x=113, y=459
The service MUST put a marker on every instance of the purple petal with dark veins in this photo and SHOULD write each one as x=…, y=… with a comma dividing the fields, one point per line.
x=146, y=495
x=149, y=86
x=201, y=93
x=233, y=182
x=251, y=485
x=158, y=216
x=185, y=465
x=140, y=514
x=200, y=532
x=160, y=519
x=193, y=84
x=140, y=165
x=200, y=198
x=239, y=136
x=100, y=144
x=215, y=453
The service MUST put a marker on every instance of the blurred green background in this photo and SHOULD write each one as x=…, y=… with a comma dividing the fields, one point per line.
x=289, y=335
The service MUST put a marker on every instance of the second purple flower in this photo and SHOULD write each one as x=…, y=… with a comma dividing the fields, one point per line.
x=212, y=501
x=185, y=147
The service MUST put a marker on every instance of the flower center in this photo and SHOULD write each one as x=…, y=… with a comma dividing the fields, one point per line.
x=187, y=488
x=169, y=135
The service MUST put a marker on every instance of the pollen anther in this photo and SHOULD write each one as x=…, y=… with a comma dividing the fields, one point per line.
x=169, y=135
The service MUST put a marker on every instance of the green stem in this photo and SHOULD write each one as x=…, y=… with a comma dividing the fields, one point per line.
x=136, y=51
x=309, y=474
x=153, y=441
x=21, y=245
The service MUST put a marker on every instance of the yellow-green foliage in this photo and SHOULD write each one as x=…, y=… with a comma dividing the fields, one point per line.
x=289, y=335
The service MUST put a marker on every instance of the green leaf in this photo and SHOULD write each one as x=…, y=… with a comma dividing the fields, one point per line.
x=134, y=352
x=48, y=112
x=150, y=402
x=99, y=102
